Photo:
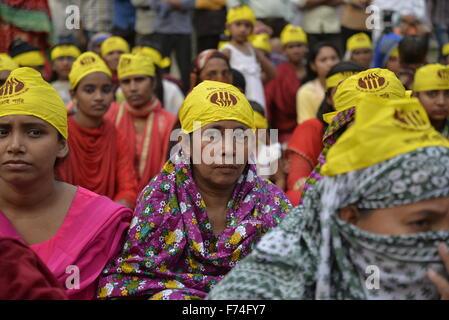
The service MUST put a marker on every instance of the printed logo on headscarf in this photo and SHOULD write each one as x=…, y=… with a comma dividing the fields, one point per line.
x=11, y=87
x=223, y=98
x=444, y=74
x=372, y=82
x=87, y=60
x=411, y=120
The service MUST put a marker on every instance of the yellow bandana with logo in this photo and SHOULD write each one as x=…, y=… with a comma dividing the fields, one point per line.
x=30, y=59
x=358, y=41
x=135, y=64
x=85, y=64
x=261, y=41
x=240, y=13
x=382, y=130
x=114, y=44
x=25, y=92
x=154, y=55
x=65, y=51
x=213, y=101
x=381, y=82
x=431, y=77
x=292, y=33
x=7, y=63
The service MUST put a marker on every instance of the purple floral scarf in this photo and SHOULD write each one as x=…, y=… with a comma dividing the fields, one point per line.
x=171, y=251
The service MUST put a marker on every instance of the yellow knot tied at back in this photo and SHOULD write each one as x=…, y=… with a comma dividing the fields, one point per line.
x=154, y=54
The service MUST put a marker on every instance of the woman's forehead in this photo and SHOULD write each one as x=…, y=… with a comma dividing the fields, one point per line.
x=23, y=119
x=225, y=124
x=95, y=78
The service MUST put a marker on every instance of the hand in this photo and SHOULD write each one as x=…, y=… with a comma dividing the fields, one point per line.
x=438, y=280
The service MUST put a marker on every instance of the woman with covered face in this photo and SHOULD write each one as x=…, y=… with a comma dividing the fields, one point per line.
x=377, y=225
x=205, y=210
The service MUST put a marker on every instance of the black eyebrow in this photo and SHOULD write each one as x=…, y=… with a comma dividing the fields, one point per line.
x=25, y=125
x=430, y=212
x=219, y=127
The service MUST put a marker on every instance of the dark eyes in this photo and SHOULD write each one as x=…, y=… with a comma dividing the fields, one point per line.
x=422, y=224
x=91, y=89
x=33, y=133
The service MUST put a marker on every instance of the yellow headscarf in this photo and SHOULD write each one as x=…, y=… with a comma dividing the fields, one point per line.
x=381, y=82
x=87, y=63
x=114, y=44
x=135, y=64
x=25, y=92
x=6, y=63
x=445, y=50
x=260, y=121
x=382, y=130
x=261, y=41
x=240, y=13
x=154, y=55
x=292, y=33
x=30, y=59
x=431, y=77
x=212, y=101
x=358, y=41
x=65, y=51
x=395, y=53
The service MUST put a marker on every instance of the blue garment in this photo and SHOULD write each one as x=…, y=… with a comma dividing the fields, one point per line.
x=173, y=21
x=386, y=44
x=124, y=15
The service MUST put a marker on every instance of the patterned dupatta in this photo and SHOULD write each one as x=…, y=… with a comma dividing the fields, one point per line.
x=171, y=251
x=313, y=254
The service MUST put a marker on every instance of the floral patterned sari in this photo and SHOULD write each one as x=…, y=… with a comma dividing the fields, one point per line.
x=171, y=251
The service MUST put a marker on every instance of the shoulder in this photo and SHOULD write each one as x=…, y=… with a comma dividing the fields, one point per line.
x=310, y=125
x=271, y=194
x=100, y=205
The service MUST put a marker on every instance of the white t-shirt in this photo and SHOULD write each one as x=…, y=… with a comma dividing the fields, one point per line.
x=251, y=70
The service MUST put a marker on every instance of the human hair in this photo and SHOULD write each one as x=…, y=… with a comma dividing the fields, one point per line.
x=58, y=161
x=200, y=63
x=413, y=49
x=312, y=55
x=238, y=80
x=343, y=66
